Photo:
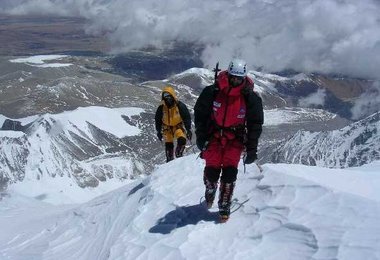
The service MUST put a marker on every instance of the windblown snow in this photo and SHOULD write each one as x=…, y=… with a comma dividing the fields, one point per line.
x=286, y=212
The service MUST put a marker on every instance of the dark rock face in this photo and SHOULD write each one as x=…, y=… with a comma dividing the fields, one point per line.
x=12, y=125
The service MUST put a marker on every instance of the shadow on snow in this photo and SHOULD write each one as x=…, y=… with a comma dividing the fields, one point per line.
x=183, y=216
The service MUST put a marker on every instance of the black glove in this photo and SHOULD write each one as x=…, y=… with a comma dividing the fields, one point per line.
x=189, y=135
x=159, y=136
x=202, y=144
x=250, y=157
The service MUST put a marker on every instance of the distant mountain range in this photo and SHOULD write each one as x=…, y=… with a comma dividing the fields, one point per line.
x=36, y=101
x=353, y=145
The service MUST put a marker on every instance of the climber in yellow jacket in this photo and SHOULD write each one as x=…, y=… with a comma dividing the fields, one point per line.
x=173, y=121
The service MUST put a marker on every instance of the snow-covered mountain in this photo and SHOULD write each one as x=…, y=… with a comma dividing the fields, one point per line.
x=286, y=212
x=94, y=145
x=53, y=90
x=335, y=95
x=354, y=145
x=90, y=145
x=57, y=83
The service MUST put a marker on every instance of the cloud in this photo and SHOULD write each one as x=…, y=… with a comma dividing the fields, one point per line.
x=368, y=103
x=314, y=100
x=326, y=36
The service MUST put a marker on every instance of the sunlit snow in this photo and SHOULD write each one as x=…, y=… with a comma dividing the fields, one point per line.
x=289, y=115
x=286, y=212
x=39, y=61
x=107, y=119
x=11, y=134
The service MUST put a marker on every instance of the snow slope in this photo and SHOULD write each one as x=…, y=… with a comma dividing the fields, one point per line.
x=288, y=212
x=74, y=145
x=39, y=61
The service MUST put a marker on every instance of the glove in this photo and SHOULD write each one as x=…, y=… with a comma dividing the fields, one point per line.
x=159, y=136
x=189, y=135
x=202, y=144
x=250, y=157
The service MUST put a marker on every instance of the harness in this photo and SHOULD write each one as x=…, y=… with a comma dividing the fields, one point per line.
x=238, y=131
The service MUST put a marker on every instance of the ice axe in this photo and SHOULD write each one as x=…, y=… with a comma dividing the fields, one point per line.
x=216, y=70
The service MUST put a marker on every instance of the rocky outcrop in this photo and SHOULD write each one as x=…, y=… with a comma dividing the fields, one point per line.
x=13, y=157
x=12, y=125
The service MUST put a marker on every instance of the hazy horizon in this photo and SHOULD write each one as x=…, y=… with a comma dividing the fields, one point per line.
x=331, y=36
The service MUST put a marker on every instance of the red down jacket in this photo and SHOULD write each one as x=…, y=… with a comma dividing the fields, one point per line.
x=229, y=119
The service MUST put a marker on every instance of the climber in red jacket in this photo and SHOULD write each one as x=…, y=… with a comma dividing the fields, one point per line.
x=228, y=119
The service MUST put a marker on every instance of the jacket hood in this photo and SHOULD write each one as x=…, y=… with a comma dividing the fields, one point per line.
x=224, y=84
x=169, y=90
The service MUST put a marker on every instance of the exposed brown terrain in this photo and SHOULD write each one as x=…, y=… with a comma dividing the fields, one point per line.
x=26, y=35
x=344, y=88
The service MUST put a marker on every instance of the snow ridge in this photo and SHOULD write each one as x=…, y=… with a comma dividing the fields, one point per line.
x=160, y=217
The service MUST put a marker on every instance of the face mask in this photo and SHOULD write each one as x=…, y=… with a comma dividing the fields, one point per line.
x=168, y=99
x=235, y=81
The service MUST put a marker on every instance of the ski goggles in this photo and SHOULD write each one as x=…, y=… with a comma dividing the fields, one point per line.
x=235, y=80
x=167, y=95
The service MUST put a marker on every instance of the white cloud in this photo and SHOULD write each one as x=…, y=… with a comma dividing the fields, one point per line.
x=367, y=103
x=314, y=99
x=329, y=36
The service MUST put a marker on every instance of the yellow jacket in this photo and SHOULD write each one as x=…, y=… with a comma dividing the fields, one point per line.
x=178, y=115
x=171, y=116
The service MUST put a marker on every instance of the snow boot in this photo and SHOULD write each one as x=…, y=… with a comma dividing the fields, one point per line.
x=181, y=145
x=210, y=179
x=225, y=195
x=169, y=151
x=179, y=150
x=211, y=188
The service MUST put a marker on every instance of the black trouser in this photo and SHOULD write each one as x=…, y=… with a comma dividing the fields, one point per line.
x=226, y=188
x=169, y=149
x=229, y=174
